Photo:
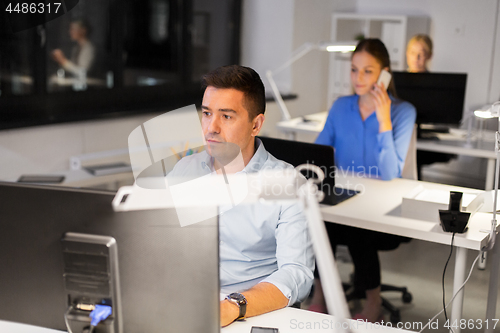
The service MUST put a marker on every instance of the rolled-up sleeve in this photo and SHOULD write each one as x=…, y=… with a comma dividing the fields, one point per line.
x=295, y=256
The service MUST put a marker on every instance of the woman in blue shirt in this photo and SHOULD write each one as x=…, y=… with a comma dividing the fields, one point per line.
x=371, y=132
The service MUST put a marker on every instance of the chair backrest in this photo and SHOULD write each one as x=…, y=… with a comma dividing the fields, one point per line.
x=410, y=166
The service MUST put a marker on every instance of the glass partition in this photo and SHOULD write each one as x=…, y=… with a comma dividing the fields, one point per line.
x=78, y=50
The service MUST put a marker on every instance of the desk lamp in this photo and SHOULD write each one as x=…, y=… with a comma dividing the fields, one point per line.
x=492, y=112
x=296, y=55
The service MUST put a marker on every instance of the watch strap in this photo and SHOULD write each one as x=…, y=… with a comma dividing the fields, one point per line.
x=240, y=301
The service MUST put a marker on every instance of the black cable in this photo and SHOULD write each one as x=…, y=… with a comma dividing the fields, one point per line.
x=444, y=272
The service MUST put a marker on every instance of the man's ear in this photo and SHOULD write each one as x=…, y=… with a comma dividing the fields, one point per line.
x=257, y=124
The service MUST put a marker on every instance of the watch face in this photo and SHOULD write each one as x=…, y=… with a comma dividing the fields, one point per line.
x=238, y=297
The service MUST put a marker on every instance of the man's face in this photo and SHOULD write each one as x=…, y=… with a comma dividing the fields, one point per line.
x=76, y=31
x=225, y=120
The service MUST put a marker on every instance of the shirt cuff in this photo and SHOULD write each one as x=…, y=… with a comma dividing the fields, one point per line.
x=285, y=290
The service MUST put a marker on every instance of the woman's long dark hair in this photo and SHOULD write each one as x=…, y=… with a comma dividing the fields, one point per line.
x=377, y=49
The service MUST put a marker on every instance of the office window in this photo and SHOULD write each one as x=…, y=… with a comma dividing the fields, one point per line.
x=151, y=43
x=78, y=48
x=214, y=28
x=17, y=63
x=112, y=58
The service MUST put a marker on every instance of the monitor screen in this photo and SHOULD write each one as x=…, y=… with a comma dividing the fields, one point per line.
x=168, y=274
x=438, y=97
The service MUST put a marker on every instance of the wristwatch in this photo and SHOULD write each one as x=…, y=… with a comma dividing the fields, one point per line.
x=240, y=301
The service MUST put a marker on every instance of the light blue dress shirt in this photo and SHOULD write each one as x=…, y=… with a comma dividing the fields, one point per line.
x=259, y=242
x=359, y=147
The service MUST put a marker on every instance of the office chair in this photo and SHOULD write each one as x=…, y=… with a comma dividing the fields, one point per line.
x=409, y=172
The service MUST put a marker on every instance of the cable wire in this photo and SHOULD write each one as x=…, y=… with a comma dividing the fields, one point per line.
x=66, y=318
x=459, y=289
x=444, y=273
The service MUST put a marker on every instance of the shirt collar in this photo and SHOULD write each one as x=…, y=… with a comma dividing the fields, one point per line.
x=355, y=101
x=207, y=161
x=258, y=159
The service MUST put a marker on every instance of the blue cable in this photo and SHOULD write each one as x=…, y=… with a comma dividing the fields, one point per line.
x=100, y=313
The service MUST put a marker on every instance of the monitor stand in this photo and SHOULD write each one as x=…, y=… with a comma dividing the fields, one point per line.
x=428, y=132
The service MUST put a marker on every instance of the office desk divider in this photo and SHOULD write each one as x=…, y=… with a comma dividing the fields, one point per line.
x=424, y=204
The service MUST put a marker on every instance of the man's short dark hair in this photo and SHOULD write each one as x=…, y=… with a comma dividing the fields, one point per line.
x=243, y=79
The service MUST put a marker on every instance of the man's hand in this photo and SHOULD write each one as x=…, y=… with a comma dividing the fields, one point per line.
x=228, y=312
x=262, y=298
x=382, y=107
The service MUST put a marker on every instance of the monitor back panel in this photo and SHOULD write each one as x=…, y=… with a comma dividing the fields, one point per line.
x=296, y=153
x=169, y=275
x=438, y=97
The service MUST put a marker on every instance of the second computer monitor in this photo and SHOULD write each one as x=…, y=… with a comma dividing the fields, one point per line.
x=438, y=97
x=168, y=274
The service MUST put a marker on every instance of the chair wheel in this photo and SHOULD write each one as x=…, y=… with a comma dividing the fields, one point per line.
x=395, y=318
x=407, y=297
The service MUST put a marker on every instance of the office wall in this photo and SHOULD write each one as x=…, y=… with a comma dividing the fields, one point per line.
x=44, y=149
x=266, y=38
x=310, y=74
x=495, y=73
x=271, y=31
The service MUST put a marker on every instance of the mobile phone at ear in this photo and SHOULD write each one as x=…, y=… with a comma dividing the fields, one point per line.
x=257, y=329
x=385, y=78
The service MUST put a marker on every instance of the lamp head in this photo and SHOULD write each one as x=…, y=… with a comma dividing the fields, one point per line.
x=488, y=111
x=343, y=47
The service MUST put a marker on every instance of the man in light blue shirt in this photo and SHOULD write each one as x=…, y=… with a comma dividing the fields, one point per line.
x=266, y=256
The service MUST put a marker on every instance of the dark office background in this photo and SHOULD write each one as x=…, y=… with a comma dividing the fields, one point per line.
x=149, y=56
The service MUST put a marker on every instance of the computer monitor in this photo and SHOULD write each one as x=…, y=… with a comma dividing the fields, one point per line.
x=438, y=97
x=168, y=274
x=296, y=153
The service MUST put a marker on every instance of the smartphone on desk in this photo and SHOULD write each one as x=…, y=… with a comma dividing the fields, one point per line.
x=258, y=329
x=385, y=78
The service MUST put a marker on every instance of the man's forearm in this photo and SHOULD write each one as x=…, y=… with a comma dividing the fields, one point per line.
x=262, y=298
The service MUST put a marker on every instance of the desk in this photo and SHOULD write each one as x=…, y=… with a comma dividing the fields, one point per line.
x=288, y=320
x=450, y=143
x=291, y=320
x=367, y=211
x=82, y=178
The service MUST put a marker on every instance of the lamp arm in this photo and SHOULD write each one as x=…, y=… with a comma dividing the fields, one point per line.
x=277, y=97
x=333, y=291
x=296, y=55
x=491, y=241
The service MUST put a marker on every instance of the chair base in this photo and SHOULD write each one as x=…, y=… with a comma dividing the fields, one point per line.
x=395, y=315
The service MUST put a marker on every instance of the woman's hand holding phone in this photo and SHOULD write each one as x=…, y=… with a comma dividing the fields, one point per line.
x=382, y=101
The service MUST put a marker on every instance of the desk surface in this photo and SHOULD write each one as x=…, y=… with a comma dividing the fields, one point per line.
x=288, y=320
x=378, y=208
x=82, y=178
x=291, y=320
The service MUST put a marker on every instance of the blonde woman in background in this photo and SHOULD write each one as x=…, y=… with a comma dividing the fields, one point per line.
x=418, y=53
